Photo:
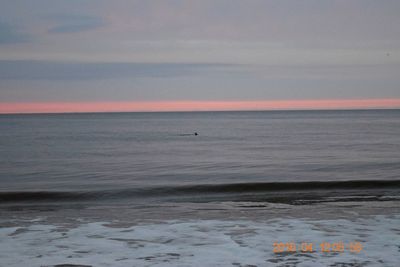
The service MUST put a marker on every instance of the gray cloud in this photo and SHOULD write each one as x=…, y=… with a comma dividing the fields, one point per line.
x=45, y=70
x=65, y=81
x=75, y=23
x=9, y=34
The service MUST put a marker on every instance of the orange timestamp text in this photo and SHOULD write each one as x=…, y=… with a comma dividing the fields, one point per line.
x=325, y=247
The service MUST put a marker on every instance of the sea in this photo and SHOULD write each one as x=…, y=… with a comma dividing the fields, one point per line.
x=234, y=188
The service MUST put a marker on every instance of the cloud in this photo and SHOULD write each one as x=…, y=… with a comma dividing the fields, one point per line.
x=269, y=49
x=75, y=23
x=46, y=70
x=9, y=35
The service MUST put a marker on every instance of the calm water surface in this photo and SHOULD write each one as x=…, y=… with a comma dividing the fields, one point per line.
x=107, y=151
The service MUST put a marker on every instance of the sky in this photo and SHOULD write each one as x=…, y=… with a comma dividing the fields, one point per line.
x=158, y=55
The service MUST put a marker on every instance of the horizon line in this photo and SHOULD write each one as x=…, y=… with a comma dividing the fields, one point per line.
x=196, y=106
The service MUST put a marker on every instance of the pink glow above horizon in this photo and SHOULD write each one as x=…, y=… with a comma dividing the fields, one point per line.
x=66, y=107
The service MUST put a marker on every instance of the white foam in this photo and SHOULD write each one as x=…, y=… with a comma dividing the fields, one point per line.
x=200, y=243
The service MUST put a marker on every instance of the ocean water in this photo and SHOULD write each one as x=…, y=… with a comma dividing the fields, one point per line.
x=141, y=189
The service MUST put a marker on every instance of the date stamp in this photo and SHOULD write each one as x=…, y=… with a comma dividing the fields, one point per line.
x=324, y=247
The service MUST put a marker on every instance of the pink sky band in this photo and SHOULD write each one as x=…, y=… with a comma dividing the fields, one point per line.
x=66, y=107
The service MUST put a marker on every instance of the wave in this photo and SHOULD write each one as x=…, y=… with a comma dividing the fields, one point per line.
x=272, y=191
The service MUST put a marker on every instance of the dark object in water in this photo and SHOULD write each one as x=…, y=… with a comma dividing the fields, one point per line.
x=195, y=133
x=71, y=265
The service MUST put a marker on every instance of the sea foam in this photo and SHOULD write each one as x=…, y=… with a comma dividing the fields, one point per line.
x=202, y=243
